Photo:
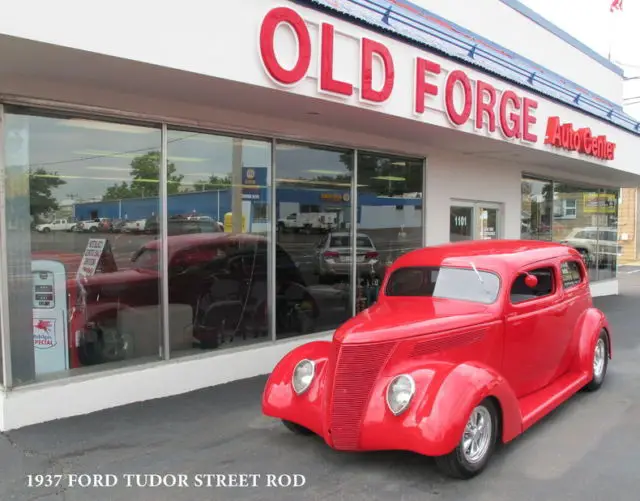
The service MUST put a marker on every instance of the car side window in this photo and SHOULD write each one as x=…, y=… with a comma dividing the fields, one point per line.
x=521, y=292
x=571, y=274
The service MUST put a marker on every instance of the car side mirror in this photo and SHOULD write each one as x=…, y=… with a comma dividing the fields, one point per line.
x=531, y=281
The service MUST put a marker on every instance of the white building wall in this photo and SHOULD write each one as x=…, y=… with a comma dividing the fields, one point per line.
x=70, y=24
x=500, y=23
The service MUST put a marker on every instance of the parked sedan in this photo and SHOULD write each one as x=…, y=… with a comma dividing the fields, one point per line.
x=333, y=256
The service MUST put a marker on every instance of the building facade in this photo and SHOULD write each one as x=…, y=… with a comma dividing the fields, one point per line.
x=186, y=202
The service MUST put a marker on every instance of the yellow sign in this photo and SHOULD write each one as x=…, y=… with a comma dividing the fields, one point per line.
x=228, y=223
x=599, y=203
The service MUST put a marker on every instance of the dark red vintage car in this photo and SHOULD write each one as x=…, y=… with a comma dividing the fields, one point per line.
x=469, y=345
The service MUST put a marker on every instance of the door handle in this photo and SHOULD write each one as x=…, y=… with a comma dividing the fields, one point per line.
x=562, y=310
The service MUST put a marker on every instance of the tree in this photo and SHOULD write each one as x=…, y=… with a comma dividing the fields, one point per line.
x=145, y=174
x=213, y=183
x=41, y=185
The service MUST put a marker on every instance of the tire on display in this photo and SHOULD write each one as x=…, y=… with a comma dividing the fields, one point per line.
x=600, y=362
x=477, y=443
x=296, y=428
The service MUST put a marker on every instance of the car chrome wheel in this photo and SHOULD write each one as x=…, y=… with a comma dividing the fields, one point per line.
x=599, y=355
x=477, y=435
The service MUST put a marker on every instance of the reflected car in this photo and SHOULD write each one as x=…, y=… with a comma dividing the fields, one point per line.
x=220, y=277
x=332, y=258
x=595, y=243
x=468, y=345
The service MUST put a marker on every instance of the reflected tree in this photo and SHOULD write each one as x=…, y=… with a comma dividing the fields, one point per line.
x=213, y=183
x=145, y=173
x=41, y=185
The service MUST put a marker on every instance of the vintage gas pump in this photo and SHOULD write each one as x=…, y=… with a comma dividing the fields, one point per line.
x=50, y=329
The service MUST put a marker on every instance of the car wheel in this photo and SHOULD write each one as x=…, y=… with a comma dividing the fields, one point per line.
x=600, y=362
x=476, y=446
x=296, y=428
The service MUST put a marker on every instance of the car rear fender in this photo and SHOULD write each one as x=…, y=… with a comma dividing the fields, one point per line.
x=452, y=396
x=279, y=400
x=586, y=333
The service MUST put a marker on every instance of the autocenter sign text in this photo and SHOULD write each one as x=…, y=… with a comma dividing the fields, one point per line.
x=506, y=111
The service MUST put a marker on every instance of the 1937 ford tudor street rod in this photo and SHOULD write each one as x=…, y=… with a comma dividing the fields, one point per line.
x=469, y=345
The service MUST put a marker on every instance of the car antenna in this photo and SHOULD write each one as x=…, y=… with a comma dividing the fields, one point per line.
x=477, y=273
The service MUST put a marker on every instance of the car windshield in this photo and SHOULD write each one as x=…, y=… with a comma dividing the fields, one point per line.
x=464, y=284
x=345, y=241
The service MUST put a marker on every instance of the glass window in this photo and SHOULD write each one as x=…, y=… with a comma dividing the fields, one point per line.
x=571, y=274
x=537, y=201
x=218, y=205
x=586, y=219
x=79, y=195
x=464, y=284
x=389, y=217
x=520, y=291
x=314, y=185
x=609, y=244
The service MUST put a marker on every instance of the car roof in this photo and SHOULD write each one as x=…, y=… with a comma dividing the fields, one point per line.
x=178, y=242
x=500, y=256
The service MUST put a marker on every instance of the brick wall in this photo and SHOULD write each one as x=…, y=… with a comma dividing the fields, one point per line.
x=627, y=225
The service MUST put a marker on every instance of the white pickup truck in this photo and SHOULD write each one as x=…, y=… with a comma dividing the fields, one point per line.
x=56, y=225
x=308, y=222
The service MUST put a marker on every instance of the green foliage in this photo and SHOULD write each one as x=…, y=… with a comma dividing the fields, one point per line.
x=145, y=173
x=41, y=184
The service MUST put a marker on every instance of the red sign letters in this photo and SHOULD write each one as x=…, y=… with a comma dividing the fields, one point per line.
x=487, y=107
x=510, y=113
x=581, y=140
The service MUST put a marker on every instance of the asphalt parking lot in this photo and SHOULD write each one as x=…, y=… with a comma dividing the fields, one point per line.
x=585, y=450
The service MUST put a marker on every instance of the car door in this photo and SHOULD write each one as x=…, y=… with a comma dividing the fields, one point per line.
x=532, y=319
x=576, y=300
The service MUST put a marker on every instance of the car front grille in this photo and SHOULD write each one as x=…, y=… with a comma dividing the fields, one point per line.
x=356, y=370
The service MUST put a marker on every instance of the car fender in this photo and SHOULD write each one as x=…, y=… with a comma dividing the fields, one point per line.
x=586, y=332
x=279, y=400
x=446, y=393
x=451, y=399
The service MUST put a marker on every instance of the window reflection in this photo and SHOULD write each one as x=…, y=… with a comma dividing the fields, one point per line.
x=218, y=227
x=537, y=203
x=313, y=268
x=79, y=193
x=585, y=218
x=389, y=217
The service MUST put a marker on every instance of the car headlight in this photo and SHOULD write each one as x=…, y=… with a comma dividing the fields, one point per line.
x=303, y=375
x=400, y=392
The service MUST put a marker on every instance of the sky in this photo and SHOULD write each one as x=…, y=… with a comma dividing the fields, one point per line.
x=591, y=22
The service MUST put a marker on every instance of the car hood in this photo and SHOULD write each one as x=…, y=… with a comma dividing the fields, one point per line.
x=402, y=318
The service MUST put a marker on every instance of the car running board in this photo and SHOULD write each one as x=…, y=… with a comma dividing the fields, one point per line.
x=535, y=406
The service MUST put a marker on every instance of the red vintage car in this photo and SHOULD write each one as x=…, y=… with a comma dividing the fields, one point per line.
x=469, y=345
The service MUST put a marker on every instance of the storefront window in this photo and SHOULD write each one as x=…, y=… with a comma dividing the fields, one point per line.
x=218, y=227
x=609, y=243
x=579, y=221
x=389, y=221
x=80, y=197
x=313, y=256
x=537, y=205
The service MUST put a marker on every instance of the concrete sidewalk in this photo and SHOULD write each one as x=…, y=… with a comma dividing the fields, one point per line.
x=582, y=451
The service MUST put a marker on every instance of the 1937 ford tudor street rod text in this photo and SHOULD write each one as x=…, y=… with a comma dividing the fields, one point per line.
x=469, y=345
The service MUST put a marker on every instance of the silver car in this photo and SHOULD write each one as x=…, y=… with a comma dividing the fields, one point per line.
x=333, y=256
